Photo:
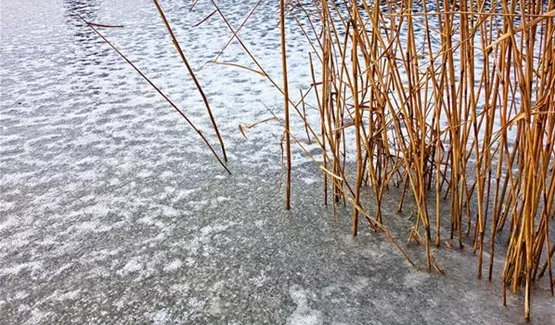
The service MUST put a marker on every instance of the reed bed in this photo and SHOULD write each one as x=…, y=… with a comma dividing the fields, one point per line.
x=449, y=103
x=445, y=100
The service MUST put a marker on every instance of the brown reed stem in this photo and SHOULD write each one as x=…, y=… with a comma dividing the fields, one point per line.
x=286, y=105
x=192, y=74
x=158, y=91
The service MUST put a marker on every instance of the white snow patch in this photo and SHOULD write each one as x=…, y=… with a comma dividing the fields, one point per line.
x=309, y=181
x=173, y=265
x=220, y=199
x=198, y=205
x=169, y=211
x=21, y=295
x=9, y=222
x=160, y=317
x=181, y=288
x=71, y=295
x=414, y=279
x=303, y=315
x=87, y=226
x=359, y=284
x=14, y=270
x=151, y=221
x=216, y=308
x=36, y=316
x=134, y=265
x=190, y=261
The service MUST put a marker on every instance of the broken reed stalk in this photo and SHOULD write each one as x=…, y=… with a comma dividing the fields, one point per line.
x=458, y=103
x=192, y=74
x=286, y=106
x=166, y=98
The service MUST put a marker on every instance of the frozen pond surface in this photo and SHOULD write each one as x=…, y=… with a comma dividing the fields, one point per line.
x=112, y=211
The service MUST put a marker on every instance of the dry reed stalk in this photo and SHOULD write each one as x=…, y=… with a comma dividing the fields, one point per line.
x=166, y=98
x=358, y=118
x=192, y=74
x=286, y=105
x=238, y=30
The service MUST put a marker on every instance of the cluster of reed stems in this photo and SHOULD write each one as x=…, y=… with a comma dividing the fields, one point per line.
x=452, y=104
x=455, y=104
